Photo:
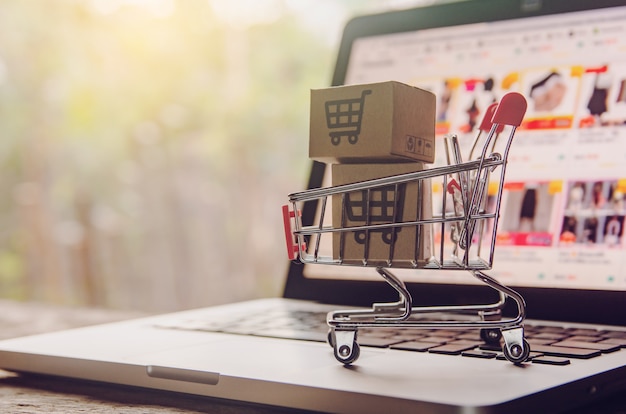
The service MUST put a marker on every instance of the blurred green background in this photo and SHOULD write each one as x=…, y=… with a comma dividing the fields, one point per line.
x=146, y=146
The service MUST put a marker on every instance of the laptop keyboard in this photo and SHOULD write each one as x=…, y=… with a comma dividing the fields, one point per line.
x=549, y=344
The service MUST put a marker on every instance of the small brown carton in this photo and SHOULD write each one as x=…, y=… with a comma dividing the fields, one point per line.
x=378, y=122
x=392, y=203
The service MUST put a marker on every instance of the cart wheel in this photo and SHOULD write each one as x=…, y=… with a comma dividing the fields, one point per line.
x=330, y=339
x=491, y=336
x=517, y=355
x=335, y=139
x=347, y=355
x=352, y=139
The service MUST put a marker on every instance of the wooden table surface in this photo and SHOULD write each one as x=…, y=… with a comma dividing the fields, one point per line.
x=30, y=394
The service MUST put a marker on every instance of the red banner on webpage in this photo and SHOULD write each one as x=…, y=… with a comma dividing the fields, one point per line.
x=557, y=122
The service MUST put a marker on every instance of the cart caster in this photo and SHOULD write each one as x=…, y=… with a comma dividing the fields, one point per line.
x=491, y=336
x=518, y=353
x=516, y=349
x=345, y=347
x=330, y=338
x=352, y=139
x=347, y=355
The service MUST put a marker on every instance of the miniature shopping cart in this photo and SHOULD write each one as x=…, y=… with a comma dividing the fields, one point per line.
x=343, y=118
x=458, y=233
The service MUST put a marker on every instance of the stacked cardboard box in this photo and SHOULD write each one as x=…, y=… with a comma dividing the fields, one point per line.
x=373, y=131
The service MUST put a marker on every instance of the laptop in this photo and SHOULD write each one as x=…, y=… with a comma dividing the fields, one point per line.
x=564, y=254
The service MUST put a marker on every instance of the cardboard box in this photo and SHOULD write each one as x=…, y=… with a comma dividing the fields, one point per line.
x=402, y=245
x=379, y=122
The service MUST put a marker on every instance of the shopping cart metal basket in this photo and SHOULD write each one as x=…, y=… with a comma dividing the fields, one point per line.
x=460, y=234
x=343, y=118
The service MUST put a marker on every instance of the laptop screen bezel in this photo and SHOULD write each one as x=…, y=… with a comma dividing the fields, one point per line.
x=571, y=305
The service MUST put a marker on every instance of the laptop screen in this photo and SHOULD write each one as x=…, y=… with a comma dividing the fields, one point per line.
x=564, y=199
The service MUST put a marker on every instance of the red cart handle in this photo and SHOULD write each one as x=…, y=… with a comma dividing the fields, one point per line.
x=511, y=110
x=486, y=124
x=292, y=247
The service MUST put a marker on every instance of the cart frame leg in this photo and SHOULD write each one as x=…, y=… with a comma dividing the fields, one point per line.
x=346, y=323
x=405, y=304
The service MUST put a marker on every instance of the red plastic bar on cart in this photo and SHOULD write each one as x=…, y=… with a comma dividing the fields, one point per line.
x=486, y=123
x=511, y=110
x=292, y=247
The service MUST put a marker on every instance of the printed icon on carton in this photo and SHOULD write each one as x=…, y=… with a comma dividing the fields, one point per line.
x=343, y=118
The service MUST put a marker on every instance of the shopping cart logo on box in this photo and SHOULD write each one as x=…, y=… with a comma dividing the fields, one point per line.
x=376, y=206
x=344, y=116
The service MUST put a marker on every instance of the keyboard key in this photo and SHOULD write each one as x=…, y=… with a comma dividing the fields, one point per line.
x=436, y=339
x=490, y=347
x=585, y=332
x=407, y=337
x=373, y=333
x=477, y=353
x=541, y=328
x=466, y=342
x=414, y=346
x=535, y=341
x=384, y=332
x=550, y=360
x=584, y=338
x=613, y=334
x=615, y=341
x=605, y=348
x=549, y=336
x=451, y=349
x=566, y=352
x=472, y=336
